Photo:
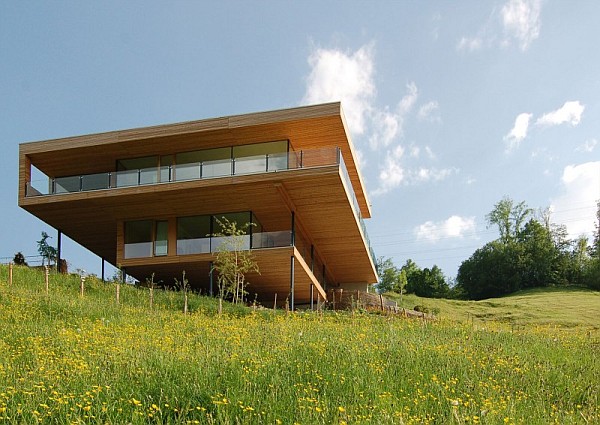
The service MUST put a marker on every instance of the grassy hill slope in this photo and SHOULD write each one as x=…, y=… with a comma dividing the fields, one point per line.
x=561, y=306
x=65, y=358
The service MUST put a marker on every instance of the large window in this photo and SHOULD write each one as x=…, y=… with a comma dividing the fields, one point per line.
x=199, y=234
x=241, y=219
x=193, y=235
x=138, y=239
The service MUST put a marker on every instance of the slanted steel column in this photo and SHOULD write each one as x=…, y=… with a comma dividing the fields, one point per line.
x=292, y=283
x=210, y=280
x=102, y=270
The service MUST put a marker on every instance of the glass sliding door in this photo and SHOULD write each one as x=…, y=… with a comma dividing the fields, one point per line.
x=161, y=238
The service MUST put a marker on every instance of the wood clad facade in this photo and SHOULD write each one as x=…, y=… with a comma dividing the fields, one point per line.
x=318, y=196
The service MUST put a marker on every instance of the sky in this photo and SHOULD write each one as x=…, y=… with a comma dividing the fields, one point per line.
x=450, y=105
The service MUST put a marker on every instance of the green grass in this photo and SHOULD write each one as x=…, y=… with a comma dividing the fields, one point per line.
x=562, y=306
x=68, y=359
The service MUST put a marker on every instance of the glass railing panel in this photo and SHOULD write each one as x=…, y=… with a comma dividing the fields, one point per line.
x=160, y=248
x=38, y=187
x=193, y=246
x=319, y=157
x=67, y=184
x=148, y=175
x=251, y=164
x=277, y=161
x=190, y=171
x=218, y=243
x=138, y=250
x=95, y=181
x=217, y=168
x=126, y=178
x=271, y=239
x=165, y=174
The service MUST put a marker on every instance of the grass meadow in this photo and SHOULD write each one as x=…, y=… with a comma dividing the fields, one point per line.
x=71, y=359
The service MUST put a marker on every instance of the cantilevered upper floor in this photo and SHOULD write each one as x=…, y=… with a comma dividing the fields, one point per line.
x=270, y=163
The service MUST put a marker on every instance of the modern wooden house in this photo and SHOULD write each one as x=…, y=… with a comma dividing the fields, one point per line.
x=148, y=199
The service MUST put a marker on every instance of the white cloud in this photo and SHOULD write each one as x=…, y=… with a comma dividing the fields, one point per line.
x=423, y=174
x=392, y=173
x=388, y=125
x=348, y=77
x=576, y=204
x=521, y=21
x=569, y=113
x=518, y=132
x=428, y=111
x=470, y=44
x=517, y=21
x=454, y=227
x=343, y=76
x=588, y=146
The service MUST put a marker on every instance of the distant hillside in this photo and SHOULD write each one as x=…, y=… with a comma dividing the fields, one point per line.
x=559, y=306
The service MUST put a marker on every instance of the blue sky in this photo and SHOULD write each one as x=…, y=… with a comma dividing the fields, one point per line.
x=451, y=105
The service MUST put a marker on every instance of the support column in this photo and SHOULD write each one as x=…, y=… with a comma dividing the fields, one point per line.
x=210, y=280
x=103, y=270
x=123, y=275
x=58, y=250
x=292, y=283
x=293, y=229
x=312, y=296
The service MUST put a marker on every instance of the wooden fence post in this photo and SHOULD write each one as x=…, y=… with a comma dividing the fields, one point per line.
x=46, y=272
x=275, y=302
x=82, y=286
x=118, y=292
x=10, y=273
x=381, y=302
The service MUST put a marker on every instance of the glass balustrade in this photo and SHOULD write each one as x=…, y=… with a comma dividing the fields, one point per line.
x=138, y=250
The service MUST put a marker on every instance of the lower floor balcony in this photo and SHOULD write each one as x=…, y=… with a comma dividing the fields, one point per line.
x=285, y=275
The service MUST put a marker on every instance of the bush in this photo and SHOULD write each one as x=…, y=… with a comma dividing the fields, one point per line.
x=421, y=309
x=19, y=259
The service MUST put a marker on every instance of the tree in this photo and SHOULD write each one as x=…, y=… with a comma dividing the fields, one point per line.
x=388, y=275
x=509, y=218
x=429, y=283
x=48, y=253
x=491, y=271
x=233, y=260
x=539, y=265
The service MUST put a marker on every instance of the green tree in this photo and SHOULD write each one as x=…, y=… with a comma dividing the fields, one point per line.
x=509, y=217
x=491, y=271
x=388, y=275
x=48, y=253
x=539, y=263
x=429, y=283
x=233, y=260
